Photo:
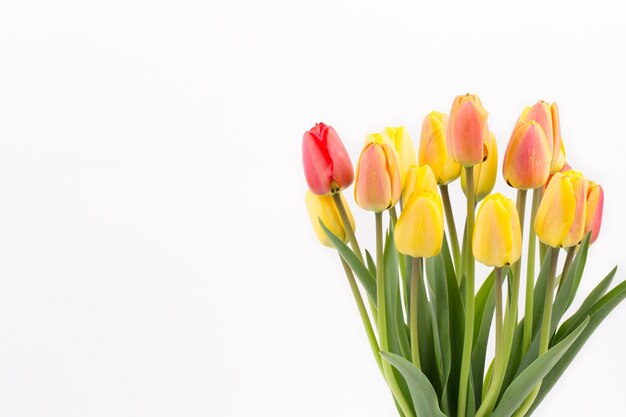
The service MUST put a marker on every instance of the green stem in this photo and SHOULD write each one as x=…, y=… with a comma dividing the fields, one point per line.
x=371, y=336
x=382, y=319
x=530, y=274
x=393, y=215
x=567, y=265
x=454, y=239
x=416, y=276
x=347, y=226
x=546, y=325
x=468, y=271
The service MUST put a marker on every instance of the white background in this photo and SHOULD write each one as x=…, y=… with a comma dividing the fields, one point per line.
x=156, y=258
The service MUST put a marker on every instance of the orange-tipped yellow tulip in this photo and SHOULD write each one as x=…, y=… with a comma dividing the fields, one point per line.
x=527, y=158
x=560, y=219
x=377, y=186
x=595, y=205
x=418, y=179
x=497, y=237
x=485, y=172
x=548, y=118
x=322, y=207
x=419, y=230
x=405, y=152
x=432, y=148
x=467, y=130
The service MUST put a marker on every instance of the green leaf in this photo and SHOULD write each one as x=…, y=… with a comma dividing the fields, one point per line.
x=583, y=310
x=567, y=292
x=519, y=389
x=362, y=273
x=422, y=392
x=371, y=265
x=596, y=315
x=396, y=328
x=456, y=322
x=485, y=305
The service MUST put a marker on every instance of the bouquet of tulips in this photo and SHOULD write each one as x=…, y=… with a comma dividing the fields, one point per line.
x=427, y=317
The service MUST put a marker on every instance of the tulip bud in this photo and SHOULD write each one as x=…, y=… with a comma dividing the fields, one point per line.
x=497, y=237
x=405, y=152
x=419, y=179
x=419, y=230
x=561, y=159
x=432, y=149
x=595, y=204
x=560, y=219
x=322, y=207
x=548, y=118
x=485, y=172
x=527, y=158
x=377, y=184
x=467, y=130
x=327, y=166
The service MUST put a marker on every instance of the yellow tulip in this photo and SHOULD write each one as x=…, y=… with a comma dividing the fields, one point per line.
x=322, y=207
x=560, y=219
x=432, y=148
x=377, y=185
x=485, y=172
x=405, y=152
x=419, y=230
x=418, y=179
x=497, y=237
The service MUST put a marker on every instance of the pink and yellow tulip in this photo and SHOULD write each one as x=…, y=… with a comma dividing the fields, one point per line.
x=467, y=130
x=378, y=185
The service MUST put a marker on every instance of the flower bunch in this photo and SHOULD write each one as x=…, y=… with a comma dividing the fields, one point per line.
x=427, y=321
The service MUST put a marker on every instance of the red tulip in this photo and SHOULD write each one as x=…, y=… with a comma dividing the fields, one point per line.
x=327, y=166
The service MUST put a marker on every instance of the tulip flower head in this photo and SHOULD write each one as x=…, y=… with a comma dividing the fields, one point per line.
x=327, y=166
x=419, y=230
x=527, y=158
x=405, y=152
x=560, y=219
x=418, y=179
x=432, y=149
x=485, y=172
x=497, y=239
x=377, y=186
x=467, y=130
x=548, y=118
x=322, y=207
x=595, y=205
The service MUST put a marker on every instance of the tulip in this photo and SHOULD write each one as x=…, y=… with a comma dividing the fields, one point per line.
x=467, y=130
x=419, y=230
x=595, y=204
x=548, y=118
x=418, y=179
x=432, y=148
x=561, y=160
x=322, y=207
x=560, y=219
x=405, y=152
x=327, y=166
x=485, y=172
x=497, y=235
x=377, y=186
x=527, y=158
